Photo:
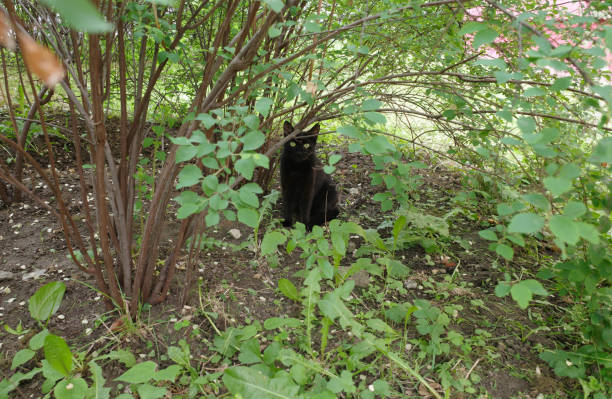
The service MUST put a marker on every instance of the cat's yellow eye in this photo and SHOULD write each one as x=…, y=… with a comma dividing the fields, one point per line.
x=292, y=143
x=306, y=145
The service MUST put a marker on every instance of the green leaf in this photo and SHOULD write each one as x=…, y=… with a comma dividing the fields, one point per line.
x=188, y=176
x=371, y=104
x=521, y=294
x=569, y=171
x=253, y=140
x=484, y=36
x=248, y=197
x=472, y=27
x=70, y=388
x=342, y=383
x=138, y=374
x=488, y=235
x=502, y=289
x=526, y=125
x=148, y=391
x=312, y=26
x=245, y=166
x=288, y=289
x=271, y=241
x=47, y=299
x=602, y=151
x=374, y=118
x=527, y=223
x=263, y=105
x=81, y=15
x=504, y=251
x=58, y=354
x=349, y=131
x=574, y=209
x=332, y=307
x=249, y=383
x=22, y=357
x=275, y=5
x=186, y=152
x=588, y=232
x=557, y=185
x=537, y=200
x=534, y=92
x=97, y=390
x=378, y=145
x=248, y=216
x=561, y=83
x=565, y=229
x=207, y=120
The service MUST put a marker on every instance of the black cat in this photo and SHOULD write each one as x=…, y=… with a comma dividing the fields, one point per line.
x=309, y=194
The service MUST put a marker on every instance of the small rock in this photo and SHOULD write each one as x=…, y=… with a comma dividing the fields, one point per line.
x=353, y=191
x=35, y=275
x=410, y=285
x=235, y=233
x=361, y=278
x=6, y=275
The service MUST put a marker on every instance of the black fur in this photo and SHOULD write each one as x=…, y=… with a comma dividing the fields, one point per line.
x=309, y=194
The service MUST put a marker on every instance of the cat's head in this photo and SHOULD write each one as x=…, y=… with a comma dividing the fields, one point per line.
x=303, y=145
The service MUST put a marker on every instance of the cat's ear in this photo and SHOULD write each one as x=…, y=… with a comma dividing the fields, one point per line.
x=314, y=131
x=287, y=128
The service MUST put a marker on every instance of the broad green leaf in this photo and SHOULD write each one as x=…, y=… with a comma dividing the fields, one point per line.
x=58, y=354
x=588, y=232
x=534, y=92
x=565, y=229
x=138, y=374
x=378, y=145
x=504, y=251
x=569, y=171
x=371, y=104
x=248, y=197
x=22, y=357
x=248, y=216
x=484, y=36
x=562, y=83
x=521, y=294
x=148, y=391
x=603, y=151
x=71, y=388
x=557, y=185
x=332, y=307
x=245, y=166
x=526, y=125
x=207, y=120
x=343, y=383
x=188, y=176
x=81, y=15
x=375, y=118
x=271, y=241
x=249, y=383
x=288, y=289
x=275, y=5
x=574, y=209
x=488, y=235
x=186, y=152
x=47, y=299
x=312, y=26
x=472, y=27
x=253, y=140
x=502, y=289
x=537, y=200
x=349, y=131
x=527, y=223
x=263, y=105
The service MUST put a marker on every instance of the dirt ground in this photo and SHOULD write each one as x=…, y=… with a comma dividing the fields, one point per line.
x=33, y=252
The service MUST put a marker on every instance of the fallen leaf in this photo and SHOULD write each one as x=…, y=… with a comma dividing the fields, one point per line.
x=6, y=39
x=40, y=60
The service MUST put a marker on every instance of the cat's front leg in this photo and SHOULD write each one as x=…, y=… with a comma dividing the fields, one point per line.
x=287, y=214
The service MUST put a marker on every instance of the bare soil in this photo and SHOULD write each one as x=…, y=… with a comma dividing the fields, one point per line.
x=239, y=289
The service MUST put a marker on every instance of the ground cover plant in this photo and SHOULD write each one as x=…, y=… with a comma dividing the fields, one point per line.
x=142, y=248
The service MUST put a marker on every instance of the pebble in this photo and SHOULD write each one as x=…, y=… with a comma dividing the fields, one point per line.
x=410, y=284
x=235, y=233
